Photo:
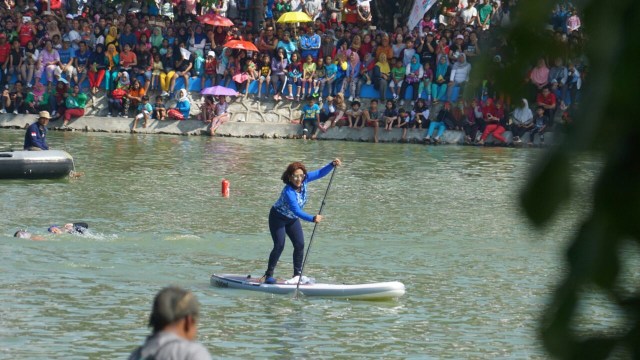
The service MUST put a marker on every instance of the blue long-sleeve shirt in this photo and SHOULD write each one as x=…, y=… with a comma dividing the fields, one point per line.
x=184, y=107
x=36, y=137
x=291, y=202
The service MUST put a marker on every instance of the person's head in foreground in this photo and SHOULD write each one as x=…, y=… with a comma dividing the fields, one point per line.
x=174, y=328
x=175, y=310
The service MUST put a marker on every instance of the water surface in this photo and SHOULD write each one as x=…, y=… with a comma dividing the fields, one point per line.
x=444, y=220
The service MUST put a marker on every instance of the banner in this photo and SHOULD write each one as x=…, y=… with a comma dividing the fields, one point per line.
x=420, y=7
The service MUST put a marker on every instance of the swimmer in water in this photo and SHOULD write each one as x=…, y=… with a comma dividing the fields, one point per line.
x=79, y=228
x=23, y=234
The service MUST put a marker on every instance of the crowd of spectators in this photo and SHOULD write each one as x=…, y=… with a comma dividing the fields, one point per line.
x=55, y=54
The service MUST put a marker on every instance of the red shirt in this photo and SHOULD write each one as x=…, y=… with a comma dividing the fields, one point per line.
x=5, y=49
x=365, y=48
x=549, y=100
x=351, y=14
x=210, y=67
x=25, y=34
x=139, y=32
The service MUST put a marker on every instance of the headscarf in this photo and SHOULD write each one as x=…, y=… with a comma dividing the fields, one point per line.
x=354, y=65
x=124, y=80
x=156, y=39
x=415, y=67
x=523, y=115
x=38, y=91
x=112, y=35
x=383, y=66
x=111, y=54
x=339, y=102
x=182, y=95
x=98, y=57
x=441, y=68
x=459, y=65
x=489, y=108
x=198, y=37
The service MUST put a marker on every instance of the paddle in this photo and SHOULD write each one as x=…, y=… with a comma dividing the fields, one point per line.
x=306, y=255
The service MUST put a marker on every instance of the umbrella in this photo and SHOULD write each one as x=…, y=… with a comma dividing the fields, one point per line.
x=215, y=20
x=219, y=90
x=241, y=45
x=294, y=17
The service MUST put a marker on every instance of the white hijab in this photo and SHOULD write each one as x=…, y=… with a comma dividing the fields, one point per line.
x=182, y=95
x=523, y=115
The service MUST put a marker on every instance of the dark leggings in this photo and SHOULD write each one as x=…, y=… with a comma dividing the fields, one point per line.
x=279, y=225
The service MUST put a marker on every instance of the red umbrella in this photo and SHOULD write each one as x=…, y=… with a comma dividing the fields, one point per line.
x=215, y=20
x=241, y=45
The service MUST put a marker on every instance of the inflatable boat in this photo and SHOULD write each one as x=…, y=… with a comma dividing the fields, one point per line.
x=48, y=164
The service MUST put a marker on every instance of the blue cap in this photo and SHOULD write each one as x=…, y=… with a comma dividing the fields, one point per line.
x=50, y=229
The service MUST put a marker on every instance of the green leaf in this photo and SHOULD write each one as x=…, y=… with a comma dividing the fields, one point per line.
x=548, y=188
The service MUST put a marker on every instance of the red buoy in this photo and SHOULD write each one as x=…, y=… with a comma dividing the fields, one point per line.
x=225, y=188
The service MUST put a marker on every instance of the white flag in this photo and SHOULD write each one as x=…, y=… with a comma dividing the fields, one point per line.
x=186, y=54
x=420, y=7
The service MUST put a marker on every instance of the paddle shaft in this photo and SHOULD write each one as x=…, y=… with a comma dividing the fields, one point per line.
x=306, y=255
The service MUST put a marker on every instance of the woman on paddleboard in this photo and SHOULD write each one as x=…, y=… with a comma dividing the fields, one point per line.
x=285, y=214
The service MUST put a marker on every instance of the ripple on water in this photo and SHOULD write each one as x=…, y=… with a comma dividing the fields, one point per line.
x=443, y=220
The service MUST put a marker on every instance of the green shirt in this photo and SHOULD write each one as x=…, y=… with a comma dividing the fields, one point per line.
x=81, y=100
x=484, y=13
x=398, y=73
x=45, y=99
x=76, y=102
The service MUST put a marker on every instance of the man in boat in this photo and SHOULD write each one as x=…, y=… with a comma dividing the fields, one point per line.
x=174, y=319
x=35, y=137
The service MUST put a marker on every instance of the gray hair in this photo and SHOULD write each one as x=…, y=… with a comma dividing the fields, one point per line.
x=170, y=305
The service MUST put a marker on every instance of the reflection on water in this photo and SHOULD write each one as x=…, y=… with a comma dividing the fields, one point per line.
x=443, y=220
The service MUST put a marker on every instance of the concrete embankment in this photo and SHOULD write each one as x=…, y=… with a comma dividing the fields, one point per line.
x=249, y=118
x=231, y=129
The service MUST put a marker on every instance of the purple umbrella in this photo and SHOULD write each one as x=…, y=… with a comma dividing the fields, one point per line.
x=219, y=90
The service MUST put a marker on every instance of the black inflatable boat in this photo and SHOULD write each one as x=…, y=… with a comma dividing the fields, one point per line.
x=48, y=164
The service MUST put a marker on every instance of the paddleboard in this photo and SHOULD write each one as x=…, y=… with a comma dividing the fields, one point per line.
x=371, y=291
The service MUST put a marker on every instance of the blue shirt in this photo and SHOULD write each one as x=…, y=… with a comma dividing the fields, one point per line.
x=268, y=11
x=146, y=107
x=128, y=39
x=83, y=57
x=312, y=42
x=66, y=55
x=310, y=112
x=36, y=137
x=184, y=107
x=291, y=202
x=330, y=69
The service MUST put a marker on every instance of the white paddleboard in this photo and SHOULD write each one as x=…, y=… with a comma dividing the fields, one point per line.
x=371, y=291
